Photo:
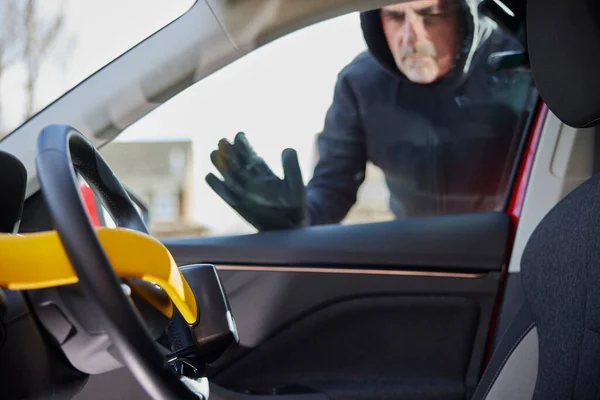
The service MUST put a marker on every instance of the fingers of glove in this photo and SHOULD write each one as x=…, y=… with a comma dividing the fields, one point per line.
x=242, y=145
x=222, y=190
x=231, y=173
x=292, y=172
x=243, y=161
x=232, y=199
x=254, y=167
x=221, y=158
x=233, y=156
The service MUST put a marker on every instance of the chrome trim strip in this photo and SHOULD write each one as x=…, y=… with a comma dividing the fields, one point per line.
x=318, y=270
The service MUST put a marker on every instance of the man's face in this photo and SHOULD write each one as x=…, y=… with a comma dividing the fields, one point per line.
x=422, y=36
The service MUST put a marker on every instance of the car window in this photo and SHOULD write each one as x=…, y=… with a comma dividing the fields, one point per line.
x=49, y=46
x=403, y=123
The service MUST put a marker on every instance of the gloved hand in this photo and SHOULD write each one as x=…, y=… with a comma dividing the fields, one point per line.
x=253, y=190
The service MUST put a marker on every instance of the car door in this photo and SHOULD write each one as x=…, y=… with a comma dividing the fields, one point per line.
x=402, y=309
x=398, y=309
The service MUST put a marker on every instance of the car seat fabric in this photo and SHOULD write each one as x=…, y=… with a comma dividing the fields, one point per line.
x=560, y=272
x=560, y=322
x=561, y=276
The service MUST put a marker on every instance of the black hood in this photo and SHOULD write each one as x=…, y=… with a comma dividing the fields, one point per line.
x=475, y=31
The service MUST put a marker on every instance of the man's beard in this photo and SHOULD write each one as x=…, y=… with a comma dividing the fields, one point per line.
x=415, y=69
x=422, y=48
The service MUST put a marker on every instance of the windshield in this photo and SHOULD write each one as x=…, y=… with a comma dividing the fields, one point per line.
x=48, y=47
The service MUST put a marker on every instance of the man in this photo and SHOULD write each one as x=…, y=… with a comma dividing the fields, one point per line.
x=422, y=104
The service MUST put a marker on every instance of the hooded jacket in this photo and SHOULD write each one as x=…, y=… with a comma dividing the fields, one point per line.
x=445, y=147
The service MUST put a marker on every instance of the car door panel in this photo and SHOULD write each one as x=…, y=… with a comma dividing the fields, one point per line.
x=397, y=310
x=400, y=334
x=465, y=242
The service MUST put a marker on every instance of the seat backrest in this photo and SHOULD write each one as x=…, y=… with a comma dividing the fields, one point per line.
x=552, y=348
x=561, y=277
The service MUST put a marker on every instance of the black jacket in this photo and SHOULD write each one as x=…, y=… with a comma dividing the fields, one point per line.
x=443, y=148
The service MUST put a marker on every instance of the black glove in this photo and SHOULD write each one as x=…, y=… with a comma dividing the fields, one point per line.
x=253, y=190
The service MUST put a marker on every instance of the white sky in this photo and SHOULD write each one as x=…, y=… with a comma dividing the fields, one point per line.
x=278, y=95
x=95, y=32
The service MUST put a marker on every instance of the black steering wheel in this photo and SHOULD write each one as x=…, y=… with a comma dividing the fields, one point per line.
x=62, y=150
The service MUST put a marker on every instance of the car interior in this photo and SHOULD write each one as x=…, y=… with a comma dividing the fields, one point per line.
x=495, y=305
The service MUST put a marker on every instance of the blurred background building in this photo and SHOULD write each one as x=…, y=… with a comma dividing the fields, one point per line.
x=160, y=174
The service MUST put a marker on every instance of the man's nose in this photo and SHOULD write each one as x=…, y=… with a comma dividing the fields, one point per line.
x=414, y=30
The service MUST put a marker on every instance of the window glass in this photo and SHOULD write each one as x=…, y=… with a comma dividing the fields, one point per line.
x=412, y=119
x=49, y=46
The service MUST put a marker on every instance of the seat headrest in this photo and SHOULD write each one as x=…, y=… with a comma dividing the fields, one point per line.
x=564, y=49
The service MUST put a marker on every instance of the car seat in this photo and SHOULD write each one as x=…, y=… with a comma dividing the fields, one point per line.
x=551, y=350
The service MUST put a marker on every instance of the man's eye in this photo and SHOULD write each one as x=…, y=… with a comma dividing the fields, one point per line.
x=433, y=18
x=395, y=17
x=431, y=14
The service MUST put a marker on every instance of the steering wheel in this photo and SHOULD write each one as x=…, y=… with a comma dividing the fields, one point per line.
x=62, y=150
